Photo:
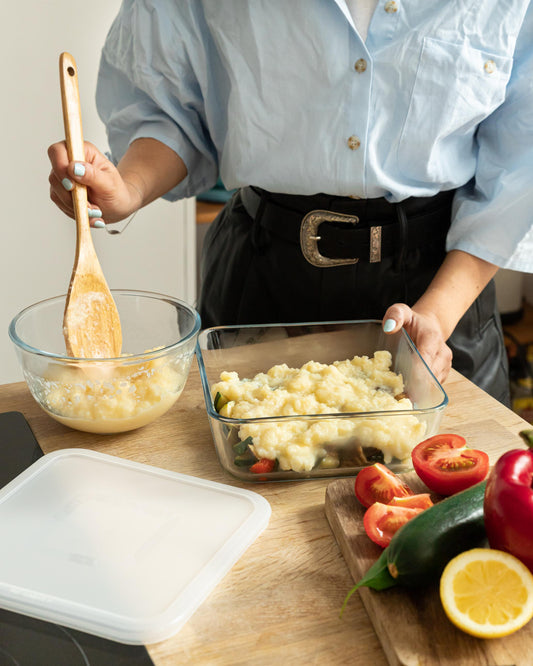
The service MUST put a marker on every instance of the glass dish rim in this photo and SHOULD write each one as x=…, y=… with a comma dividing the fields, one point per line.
x=126, y=359
x=212, y=413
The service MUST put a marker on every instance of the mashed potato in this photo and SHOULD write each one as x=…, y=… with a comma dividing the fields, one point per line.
x=116, y=399
x=361, y=384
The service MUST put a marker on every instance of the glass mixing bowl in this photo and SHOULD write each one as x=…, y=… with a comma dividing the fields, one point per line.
x=109, y=395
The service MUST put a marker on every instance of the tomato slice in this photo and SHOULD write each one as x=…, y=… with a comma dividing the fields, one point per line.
x=446, y=465
x=382, y=521
x=377, y=483
x=419, y=501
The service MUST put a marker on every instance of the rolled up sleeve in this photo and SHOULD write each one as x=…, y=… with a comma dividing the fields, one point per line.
x=493, y=215
x=147, y=88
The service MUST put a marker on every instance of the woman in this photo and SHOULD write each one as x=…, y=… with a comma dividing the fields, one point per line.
x=415, y=138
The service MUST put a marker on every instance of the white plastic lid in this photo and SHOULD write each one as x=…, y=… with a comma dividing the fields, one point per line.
x=116, y=548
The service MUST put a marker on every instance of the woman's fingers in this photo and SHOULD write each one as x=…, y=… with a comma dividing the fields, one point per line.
x=109, y=196
x=59, y=203
x=60, y=194
x=433, y=349
x=397, y=316
x=58, y=156
x=95, y=217
x=426, y=333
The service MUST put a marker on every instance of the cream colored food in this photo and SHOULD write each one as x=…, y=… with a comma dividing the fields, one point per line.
x=112, y=398
x=360, y=384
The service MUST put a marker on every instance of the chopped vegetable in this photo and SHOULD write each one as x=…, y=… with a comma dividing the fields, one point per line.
x=263, y=466
x=244, y=456
x=219, y=401
x=377, y=483
x=447, y=466
x=419, y=501
x=245, y=460
x=241, y=446
x=382, y=521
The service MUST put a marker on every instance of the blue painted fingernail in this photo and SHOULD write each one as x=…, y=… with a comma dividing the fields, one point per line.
x=389, y=325
x=98, y=224
x=67, y=184
x=95, y=212
x=79, y=170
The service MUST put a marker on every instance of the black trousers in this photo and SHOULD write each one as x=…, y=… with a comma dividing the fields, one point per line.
x=253, y=271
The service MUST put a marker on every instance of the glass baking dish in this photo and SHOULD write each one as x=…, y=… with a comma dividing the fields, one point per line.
x=333, y=442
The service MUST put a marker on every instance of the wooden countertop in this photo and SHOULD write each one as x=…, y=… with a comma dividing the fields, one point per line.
x=280, y=603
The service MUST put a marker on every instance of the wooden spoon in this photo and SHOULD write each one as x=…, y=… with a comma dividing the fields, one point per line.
x=91, y=325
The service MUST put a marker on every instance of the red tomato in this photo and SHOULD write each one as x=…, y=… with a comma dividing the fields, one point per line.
x=377, y=483
x=420, y=501
x=263, y=466
x=447, y=466
x=382, y=521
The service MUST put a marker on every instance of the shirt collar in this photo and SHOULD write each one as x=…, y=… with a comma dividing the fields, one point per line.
x=344, y=9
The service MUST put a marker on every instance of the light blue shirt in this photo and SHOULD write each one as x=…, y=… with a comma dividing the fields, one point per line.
x=286, y=96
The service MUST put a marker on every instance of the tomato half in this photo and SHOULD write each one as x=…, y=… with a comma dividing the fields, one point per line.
x=419, y=501
x=382, y=521
x=377, y=483
x=446, y=465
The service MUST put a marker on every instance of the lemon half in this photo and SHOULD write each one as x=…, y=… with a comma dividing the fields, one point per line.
x=487, y=593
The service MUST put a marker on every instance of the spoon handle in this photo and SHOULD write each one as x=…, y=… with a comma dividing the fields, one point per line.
x=70, y=99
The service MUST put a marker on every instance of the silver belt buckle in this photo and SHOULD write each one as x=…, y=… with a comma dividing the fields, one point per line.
x=309, y=239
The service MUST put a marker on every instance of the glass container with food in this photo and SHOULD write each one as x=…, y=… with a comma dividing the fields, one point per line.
x=312, y=400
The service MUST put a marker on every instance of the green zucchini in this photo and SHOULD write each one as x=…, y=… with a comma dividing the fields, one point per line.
x=244, y=456
x=241, y=446
x=219, y=401
x=419, y=551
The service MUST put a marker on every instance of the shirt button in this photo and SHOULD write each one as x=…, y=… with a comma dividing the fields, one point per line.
x=391, y=7
x=360, y=65
x=489, y=66
x=354, y=142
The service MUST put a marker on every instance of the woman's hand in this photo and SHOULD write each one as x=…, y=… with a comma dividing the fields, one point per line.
x=425, y=331
x=433, y=318
x=110, y=196
x=147, y=170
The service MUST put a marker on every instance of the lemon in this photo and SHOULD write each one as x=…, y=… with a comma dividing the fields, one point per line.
x=487, y=593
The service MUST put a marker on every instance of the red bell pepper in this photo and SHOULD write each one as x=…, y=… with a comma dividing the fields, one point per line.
x=508, y=504
x=263, y=466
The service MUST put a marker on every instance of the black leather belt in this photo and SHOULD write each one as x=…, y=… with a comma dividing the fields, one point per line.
x=333, y=231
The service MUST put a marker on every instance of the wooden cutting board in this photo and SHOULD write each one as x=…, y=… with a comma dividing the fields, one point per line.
x=411, y=624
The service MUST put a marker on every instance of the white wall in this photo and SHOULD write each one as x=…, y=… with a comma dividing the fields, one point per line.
x=512, y=289
x=37, y=244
